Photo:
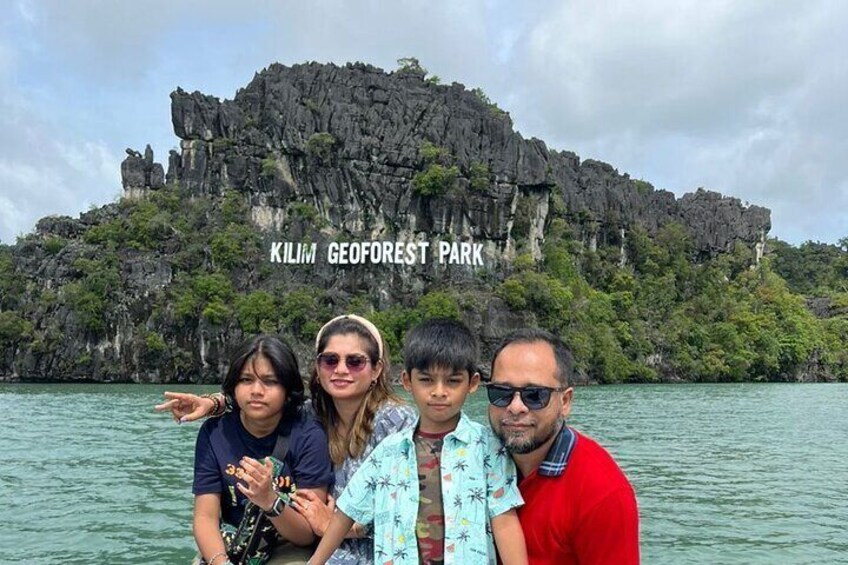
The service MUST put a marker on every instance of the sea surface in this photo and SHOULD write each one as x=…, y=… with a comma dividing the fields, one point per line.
x=734, y=473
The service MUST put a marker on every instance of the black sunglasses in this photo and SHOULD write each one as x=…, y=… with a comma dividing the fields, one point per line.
x=533, y=397
x=353, y=362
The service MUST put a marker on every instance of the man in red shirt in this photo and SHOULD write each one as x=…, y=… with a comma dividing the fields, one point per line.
x=579, y=506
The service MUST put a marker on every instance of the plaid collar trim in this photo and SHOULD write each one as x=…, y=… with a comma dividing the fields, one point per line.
x=558, y=455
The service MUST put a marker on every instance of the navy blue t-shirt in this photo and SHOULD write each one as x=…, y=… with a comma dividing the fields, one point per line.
x=222, y=442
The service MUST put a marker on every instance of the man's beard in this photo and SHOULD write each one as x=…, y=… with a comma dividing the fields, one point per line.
x=520, y=445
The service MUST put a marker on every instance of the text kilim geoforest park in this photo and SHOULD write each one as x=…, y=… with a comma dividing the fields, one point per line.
x=376, y=252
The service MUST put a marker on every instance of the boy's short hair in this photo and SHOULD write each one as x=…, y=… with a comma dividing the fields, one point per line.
x=440, y=342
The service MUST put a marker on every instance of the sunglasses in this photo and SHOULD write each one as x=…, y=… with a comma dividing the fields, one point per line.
x=354, y=363
x=533, y=397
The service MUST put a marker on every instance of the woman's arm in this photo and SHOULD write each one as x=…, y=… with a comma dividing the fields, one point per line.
x=256, y=485
x=293, y=526
x=206, y=525
x=339, y=526
x=509, y=538
x=319, y=514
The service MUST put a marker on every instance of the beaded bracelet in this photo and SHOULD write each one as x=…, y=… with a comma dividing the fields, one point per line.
x=223, y=403
x=216, y=556
x=217, y=403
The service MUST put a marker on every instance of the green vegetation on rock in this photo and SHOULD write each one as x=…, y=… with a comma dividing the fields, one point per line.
x=161, y=285
x=320, y=145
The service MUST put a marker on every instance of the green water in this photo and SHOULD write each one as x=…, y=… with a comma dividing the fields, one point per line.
x=751, y=473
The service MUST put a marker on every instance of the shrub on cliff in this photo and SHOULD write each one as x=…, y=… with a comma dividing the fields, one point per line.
x=411, y=65
x=438, y=304
x=53, y=245
x=301, y=311
x=478, y=176
x=268, y=168
x=484, y=98
x=432, y=153
x=513, y=293
x=235, y=246
x=256, y=311
x=13, y=328
x=11, y=283
x=436, y=180
x=320, y=145
x=205, y=296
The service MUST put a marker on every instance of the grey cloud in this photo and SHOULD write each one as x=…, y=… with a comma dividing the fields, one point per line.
x=122, y=38
x=43, y=169
x=43, y=175
x=745, y=98
x=738, y=97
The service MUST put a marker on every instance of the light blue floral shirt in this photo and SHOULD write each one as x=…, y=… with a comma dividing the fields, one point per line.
x=478, y=483
x=389, y=419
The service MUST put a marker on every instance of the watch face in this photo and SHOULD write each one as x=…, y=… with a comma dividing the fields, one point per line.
x=276, y=509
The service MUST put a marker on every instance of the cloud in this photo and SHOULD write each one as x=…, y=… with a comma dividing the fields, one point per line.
x=740, y=98
x=744, y=98
x=60, y=178
x=44, y=169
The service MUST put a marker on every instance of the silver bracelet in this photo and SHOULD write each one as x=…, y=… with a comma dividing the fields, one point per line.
x=216, y=556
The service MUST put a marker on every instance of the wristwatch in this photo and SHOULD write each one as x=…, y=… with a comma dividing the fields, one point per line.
x=276, y=508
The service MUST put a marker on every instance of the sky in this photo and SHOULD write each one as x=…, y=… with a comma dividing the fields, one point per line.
x=744, y=98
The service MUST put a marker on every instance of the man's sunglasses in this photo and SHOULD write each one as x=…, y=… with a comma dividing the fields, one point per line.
x=533, y=397
x=354, y=363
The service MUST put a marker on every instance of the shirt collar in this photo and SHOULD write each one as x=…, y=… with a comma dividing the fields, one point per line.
x=464, y=431
x=560, y=452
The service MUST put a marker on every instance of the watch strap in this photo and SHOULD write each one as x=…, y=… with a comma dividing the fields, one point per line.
x=276, y=508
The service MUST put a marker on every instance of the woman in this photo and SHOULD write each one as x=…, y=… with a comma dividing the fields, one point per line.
x=257, y=453
x=352, y=397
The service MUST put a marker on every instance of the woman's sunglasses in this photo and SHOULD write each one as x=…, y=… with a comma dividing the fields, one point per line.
x=533, y=397
x=354, y=363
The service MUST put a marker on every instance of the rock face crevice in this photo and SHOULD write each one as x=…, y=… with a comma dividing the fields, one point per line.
x=324, y=153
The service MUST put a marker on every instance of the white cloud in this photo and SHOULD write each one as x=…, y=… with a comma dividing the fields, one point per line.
x=745, y=98
x=66, y=179
x=738, y=97
x=25, y=10
x=44, y=169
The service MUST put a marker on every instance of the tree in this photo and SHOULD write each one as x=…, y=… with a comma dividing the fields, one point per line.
x=255, y=309
x=13, y=328
x=410, y=65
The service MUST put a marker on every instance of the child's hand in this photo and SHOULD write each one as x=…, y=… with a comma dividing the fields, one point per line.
x=257, y=482
x=186, y=407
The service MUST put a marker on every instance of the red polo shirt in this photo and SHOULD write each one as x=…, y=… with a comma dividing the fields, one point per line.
x=586, y=514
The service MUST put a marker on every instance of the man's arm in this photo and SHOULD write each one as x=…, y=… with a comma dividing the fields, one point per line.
x=609, y=531
x=509, y=538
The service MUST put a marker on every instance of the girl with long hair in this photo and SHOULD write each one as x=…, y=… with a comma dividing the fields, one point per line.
x=249, y=461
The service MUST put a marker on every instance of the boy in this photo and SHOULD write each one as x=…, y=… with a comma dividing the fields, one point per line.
x=431, y=491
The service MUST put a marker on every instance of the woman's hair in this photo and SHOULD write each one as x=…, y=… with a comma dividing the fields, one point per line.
x=353, y=444
x=281, y=357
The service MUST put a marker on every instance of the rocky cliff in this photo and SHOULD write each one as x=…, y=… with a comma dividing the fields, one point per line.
x=158, y=286
x=377, y=124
